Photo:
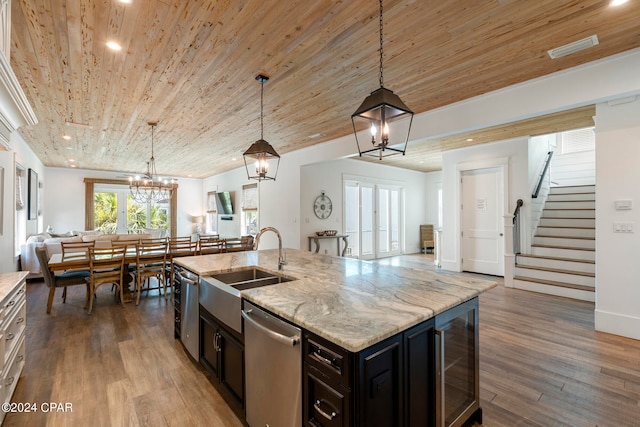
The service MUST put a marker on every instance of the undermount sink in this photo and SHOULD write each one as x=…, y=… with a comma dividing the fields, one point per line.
x=250, y=278
x=220, y=292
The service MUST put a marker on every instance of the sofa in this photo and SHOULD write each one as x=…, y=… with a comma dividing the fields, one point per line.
x=29, y=261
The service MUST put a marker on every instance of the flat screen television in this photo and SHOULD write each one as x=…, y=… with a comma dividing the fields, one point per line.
x=223, y=203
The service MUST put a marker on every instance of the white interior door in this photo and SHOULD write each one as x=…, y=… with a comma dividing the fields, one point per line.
x=367, y=221
x=482, y=221
x=388, y=222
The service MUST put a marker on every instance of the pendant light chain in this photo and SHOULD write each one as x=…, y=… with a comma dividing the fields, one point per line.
x=381, y=78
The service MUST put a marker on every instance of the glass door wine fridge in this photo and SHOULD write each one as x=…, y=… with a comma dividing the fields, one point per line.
x=457, y=366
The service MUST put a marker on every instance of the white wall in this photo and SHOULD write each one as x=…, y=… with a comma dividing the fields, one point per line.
x=513, y=154
x=617, y=178
x=433, y=183
x=329, y=176
x=64, y=199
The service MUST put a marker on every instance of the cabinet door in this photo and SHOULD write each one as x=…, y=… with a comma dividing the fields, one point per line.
x=209, y=345
x=231, y=366
x=380, y=373
x=325, y=405
x=419, y=371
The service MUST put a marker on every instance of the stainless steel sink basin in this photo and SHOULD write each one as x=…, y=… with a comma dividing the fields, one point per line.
x=250, y=278
x=220, y=293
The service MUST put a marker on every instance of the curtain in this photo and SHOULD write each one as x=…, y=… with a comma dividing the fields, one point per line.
x=250, y=197
x=20, y=174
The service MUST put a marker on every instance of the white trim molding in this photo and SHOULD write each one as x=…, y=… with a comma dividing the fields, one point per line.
x=14, y=105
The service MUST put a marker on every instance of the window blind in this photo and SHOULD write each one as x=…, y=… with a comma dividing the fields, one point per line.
x=211, y=202
x=250, y=197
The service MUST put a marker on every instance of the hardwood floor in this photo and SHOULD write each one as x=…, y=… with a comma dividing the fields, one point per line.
x=541, y=364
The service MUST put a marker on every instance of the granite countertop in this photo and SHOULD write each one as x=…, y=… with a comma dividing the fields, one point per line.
x=9, y=281
x=352, y=303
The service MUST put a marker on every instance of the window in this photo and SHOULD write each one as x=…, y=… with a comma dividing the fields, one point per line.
x=250, y=209
x=212, y=213
x=109, y=208
x=577, y=140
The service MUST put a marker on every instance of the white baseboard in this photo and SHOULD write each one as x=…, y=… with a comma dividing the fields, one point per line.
x=617, y=324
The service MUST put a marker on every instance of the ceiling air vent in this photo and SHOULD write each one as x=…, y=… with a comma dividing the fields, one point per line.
x=573, y=47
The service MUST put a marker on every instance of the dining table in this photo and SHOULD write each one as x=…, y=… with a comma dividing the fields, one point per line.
x=80, y=261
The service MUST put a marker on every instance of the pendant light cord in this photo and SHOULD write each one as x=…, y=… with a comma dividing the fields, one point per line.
x=261, y=110
x=381, y=78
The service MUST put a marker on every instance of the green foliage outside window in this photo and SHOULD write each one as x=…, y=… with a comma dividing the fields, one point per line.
x=106, y=215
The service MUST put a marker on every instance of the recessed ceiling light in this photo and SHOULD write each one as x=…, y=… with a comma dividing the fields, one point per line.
x=113, y=45
x=73, y=166
x=469, y=139
x=66, y=137
x=316, y=135
x=69, y=148
x=233, y=159
x=72, y=160
x=617, y=2
x=421, y=161
x=126, y=1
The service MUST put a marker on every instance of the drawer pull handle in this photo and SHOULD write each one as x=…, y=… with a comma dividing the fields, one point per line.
x=10, y=304
x=20, y=320
x=10, y=336
x=328, y=416
x=9, y=381
x=330, y=362
x=20, y=358
x=21, y=291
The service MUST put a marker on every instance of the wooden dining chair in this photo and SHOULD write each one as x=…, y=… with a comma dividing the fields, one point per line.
x=73, y=250
x=179, y=247
x=210, y=245
x=106, y=266
x=60, y=280
x=151, y=261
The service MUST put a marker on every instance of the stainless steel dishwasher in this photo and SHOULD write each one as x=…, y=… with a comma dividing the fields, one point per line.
x=273, y=369
x=190, y=321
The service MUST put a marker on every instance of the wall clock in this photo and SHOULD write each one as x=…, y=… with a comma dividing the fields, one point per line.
x=322, y=206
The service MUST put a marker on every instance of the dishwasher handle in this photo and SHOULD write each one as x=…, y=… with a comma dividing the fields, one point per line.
x=292, y=341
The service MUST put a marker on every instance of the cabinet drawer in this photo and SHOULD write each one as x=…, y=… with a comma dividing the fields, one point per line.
x=14, y=326
x=13, y=369
x=329, y=358
x=325, y=406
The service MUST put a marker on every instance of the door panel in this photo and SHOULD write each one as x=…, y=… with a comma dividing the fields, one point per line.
x=482, y=221
x=367, y=221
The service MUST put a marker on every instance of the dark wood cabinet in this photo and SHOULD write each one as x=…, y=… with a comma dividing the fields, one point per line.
x=222, y=354
x=389, y=384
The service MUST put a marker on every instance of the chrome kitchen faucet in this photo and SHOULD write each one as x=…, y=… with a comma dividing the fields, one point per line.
x=282, y=258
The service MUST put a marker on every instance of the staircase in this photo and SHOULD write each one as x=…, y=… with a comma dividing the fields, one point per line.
x=562, y=259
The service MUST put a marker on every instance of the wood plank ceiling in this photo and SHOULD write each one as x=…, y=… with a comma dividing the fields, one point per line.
x=190, y=65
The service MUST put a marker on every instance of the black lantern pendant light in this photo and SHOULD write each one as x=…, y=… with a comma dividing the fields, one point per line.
x=261, y=159
x=377, y=111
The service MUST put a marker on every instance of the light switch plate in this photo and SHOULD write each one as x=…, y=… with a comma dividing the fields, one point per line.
x=623, y=205
x=623, y=227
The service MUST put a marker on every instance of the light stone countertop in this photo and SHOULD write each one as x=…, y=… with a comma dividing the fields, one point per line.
x=9, y=281
x=352, y=303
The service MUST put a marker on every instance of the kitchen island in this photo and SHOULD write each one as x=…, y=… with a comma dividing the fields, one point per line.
x=350, y=311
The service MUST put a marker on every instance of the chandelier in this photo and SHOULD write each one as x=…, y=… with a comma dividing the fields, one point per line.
x=149, y=187
x=377, y=111
x=261, y=152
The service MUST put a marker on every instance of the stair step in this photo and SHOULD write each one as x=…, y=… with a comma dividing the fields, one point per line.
x=569, y=213
x=565, y=242
x=563, y=252
x=555, y=231
x=572, y=189
x=570, y=204
x=567, y=222
x=568, y=264
x=583, y=293
x=560, y=197
x=572, y=278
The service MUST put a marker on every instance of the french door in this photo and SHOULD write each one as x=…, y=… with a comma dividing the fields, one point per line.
x=373, y=219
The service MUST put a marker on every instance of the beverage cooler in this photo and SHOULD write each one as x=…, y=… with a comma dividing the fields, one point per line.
x=457, y=366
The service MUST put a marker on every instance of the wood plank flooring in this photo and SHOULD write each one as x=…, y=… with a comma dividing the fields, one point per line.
x=541, y=364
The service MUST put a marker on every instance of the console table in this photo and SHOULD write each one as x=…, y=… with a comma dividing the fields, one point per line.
x=317, y=239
